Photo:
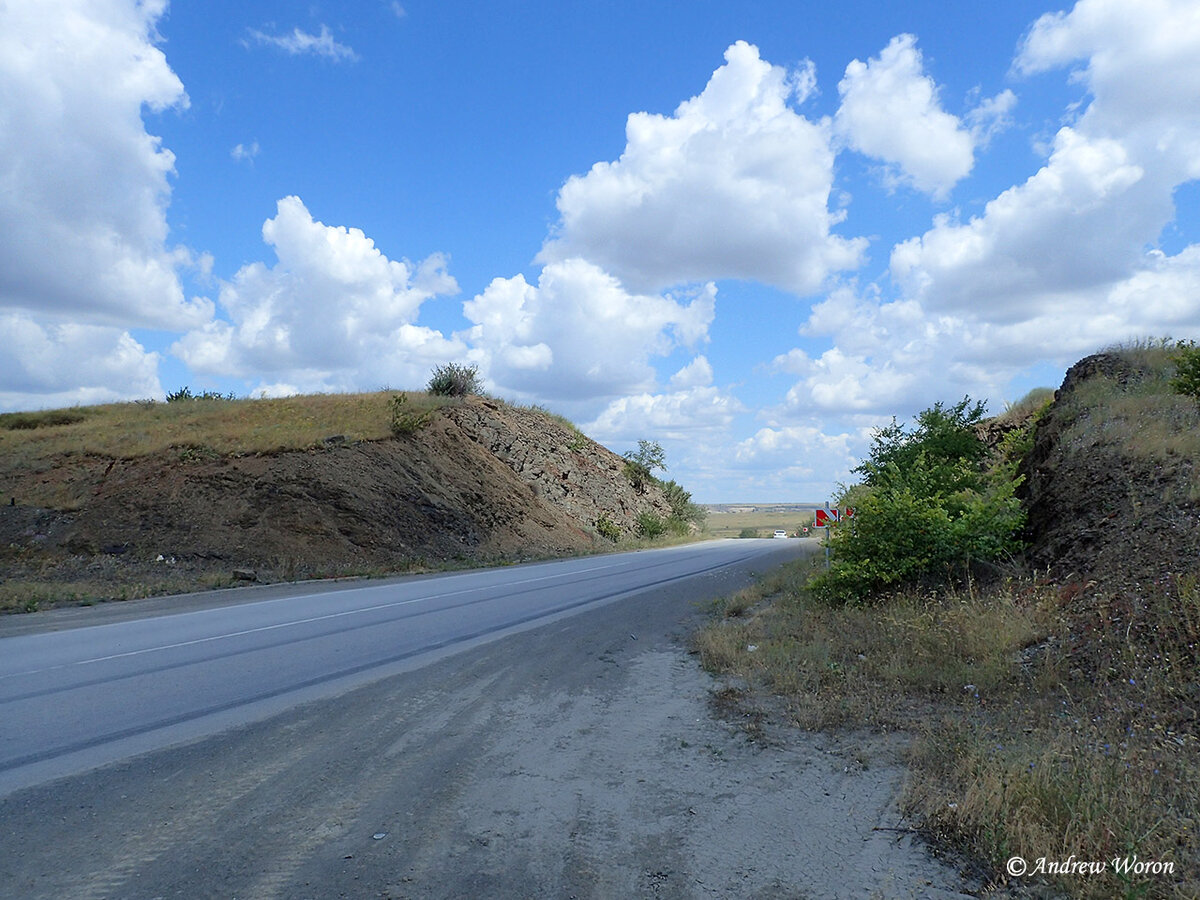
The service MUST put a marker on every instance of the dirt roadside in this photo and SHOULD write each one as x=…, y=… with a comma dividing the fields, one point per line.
x=580, y=759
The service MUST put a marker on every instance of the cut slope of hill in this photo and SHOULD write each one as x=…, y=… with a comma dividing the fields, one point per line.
x=1112, y=488
x=474, y=480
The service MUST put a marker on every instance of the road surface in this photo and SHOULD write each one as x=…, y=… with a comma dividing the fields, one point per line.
x=531, y=731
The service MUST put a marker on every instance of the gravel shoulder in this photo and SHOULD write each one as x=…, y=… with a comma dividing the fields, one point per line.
x=580, y=759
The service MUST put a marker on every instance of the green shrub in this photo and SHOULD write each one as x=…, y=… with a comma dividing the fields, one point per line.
x=607, y=528
x=927, y=507
x=185, y=394
x=453, y=380
x=678, y=526
x=682, y=507
x=895, y=536
x=650, y=526
x=748, y=533
x=1187, y=369
x=407, y=420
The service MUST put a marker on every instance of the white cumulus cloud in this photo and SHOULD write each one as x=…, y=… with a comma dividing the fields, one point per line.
x=795, y=462
x=84, y=186
x=692, y=408
x=1069, y=245
x=333, y=313
x=578, y=333
x=64, y=364
x=734, y=184
x=1080, y=222
x=890, y=111
x=1141, y=64
x=678, y=415
x=697, y=373
x=792, y=443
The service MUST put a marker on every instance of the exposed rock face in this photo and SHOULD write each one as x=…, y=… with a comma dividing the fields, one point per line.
x=481, y=481
x=562, y=467
x=1097, y=509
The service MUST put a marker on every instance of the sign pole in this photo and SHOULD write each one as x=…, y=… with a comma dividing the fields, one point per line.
x=827, y=536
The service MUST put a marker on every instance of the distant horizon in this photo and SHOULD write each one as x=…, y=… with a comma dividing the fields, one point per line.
x=784, y=503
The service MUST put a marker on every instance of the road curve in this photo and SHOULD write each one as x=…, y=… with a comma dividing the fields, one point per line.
x=74, y=699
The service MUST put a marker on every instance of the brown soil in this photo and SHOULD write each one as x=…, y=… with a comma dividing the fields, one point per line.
x=482, y=482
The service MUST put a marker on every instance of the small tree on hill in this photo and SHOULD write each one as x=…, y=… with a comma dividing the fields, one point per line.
x=640, y=464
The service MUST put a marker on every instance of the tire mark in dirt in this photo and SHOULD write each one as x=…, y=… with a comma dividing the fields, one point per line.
x=390, y=743
x=143, y=848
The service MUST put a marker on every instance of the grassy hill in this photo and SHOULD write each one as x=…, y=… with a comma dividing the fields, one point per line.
x=132, y=499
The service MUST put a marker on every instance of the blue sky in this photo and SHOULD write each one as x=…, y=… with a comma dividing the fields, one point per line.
x=752, y=232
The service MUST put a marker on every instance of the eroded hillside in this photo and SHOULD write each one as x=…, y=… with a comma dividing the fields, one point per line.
x=476, y=480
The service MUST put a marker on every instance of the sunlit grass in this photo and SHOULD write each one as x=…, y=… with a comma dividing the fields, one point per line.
x=130, y=430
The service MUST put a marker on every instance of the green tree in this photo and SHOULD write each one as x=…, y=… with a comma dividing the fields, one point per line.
x=926, y=506
x=640, y=464
x=649, y=455
x=945, y=436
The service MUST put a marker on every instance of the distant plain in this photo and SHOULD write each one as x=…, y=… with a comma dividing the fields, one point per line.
x=727, y=520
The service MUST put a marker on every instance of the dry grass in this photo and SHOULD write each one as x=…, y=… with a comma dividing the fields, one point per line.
x=877, y=664
x=1144, y=418
x=1091, y=750
x=1146, y=353
x=1048, y=723
x=223, y=427
x=27, y=595
x=1037, y=399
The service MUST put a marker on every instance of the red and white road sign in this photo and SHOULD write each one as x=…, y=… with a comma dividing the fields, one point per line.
x=826, y=517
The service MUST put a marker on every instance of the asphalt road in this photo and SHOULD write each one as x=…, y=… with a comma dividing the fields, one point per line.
x=538, y=731
x=78, y=698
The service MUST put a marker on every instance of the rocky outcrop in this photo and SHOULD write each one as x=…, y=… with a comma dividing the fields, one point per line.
x=481, y=481
x=562, y=467
x=1101, y=506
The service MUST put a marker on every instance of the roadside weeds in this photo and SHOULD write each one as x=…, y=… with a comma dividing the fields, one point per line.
x=1047, y=722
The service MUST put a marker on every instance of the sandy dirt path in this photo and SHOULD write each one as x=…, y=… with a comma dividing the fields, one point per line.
x=580, y=759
